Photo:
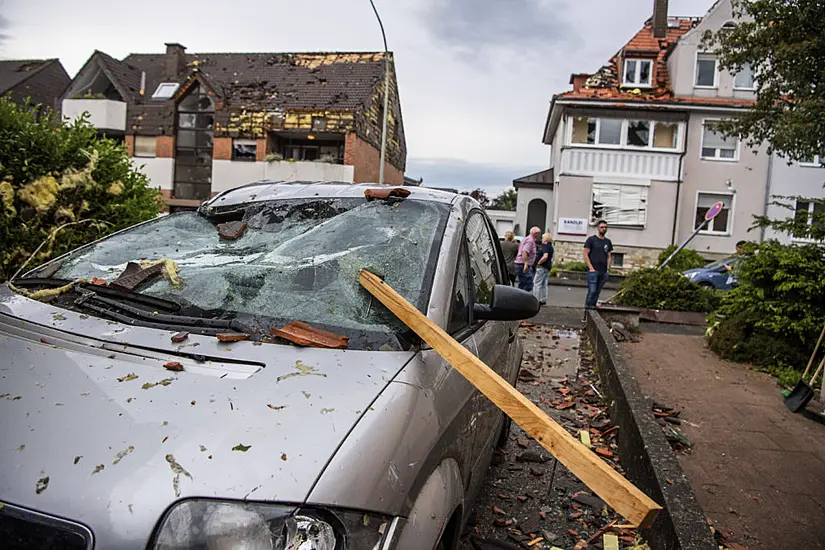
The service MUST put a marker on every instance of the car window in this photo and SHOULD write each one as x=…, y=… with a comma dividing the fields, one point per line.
x=484, y=267
x=297, y=259
x=460, y=301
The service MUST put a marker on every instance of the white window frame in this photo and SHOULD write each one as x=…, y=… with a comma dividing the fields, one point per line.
x=637, y=73
x=620, y=182
x=711, y=232
x=715, y=72
x=811, y=205
x=135, y=147
x=745, y=89
x=623, y=137
x=815, y=164
x=163, y=85
x=717, y=158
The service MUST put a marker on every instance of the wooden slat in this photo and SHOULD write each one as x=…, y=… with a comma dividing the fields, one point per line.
x=615, y=490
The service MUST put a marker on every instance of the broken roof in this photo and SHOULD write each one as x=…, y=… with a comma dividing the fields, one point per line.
x=14, y=72
x=268, y=80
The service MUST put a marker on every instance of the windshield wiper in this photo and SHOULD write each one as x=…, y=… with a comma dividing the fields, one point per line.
x=113, y=291
x=133, y=315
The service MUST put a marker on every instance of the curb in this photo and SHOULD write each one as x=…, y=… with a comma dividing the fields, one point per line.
x=644, y=452
x=554, y=281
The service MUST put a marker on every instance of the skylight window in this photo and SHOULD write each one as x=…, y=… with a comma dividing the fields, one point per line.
x=165, y=90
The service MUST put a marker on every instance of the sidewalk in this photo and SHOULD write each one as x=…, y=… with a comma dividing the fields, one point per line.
x=757, y=469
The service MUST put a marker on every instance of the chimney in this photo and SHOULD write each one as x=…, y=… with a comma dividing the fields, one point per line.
x=660, y=19
x=578, y=80
x=174, y=62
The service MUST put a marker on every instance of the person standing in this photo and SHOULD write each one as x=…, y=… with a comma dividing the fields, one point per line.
x=509, y=248
x=525, y=259
x=544, y=261
x=597, y=251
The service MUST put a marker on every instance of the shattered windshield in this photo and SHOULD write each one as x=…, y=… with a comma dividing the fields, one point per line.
x=295, y=260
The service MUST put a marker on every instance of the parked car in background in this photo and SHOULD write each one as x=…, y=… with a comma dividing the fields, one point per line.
x=714, y=275
x=130, y=422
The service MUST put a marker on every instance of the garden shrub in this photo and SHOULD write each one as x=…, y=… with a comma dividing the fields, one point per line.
x=574, y=266
x=774, y=315
x=684, y=260
x=51, y=174
x=666, y=289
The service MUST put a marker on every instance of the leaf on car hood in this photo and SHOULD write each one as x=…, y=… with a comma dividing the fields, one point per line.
x=241, y=447
x=119, y=456
x=130, y=376
x=41, y=484
x=303, y=370
x=164, y=382
x=178, y=470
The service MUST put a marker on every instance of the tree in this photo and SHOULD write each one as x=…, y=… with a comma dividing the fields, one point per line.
x=784, y=42
x=56, y=175
x=505, y=201
x=479, y=195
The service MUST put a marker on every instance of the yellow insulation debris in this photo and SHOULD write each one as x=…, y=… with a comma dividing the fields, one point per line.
x=7, y=196
x=170, y=270
x=40, y=193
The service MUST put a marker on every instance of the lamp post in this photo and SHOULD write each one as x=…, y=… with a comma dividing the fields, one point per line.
x=386, y=96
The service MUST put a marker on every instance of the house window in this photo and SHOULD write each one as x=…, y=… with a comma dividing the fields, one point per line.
x=145, y=146
x=584, y=130
x=165, y=90
x=638, y=133
x=617, y=259
x=244, y=149
x=810, y=220
x=619, y=204
x=610, y=131
x=721, y=223
x=666, y=135
x=637, y=72
x=319, y=124
x=744, y=78
x=815, y=160
x=706, y=70
x=716, y=146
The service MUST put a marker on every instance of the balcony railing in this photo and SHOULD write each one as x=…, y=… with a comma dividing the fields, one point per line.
x=104, y=114
x=611, y=162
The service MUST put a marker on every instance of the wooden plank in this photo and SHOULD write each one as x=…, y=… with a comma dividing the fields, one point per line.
x=624, y=497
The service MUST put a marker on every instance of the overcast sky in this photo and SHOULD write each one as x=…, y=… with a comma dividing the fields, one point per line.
x=475, y=76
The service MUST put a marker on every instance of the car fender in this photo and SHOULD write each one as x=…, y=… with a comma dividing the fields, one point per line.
x=439, y=498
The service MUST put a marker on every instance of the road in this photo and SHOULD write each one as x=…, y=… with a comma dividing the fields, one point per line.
x=572, y=296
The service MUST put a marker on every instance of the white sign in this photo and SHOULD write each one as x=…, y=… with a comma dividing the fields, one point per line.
x=572, y=226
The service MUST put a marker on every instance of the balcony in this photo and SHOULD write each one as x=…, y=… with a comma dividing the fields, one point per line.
x=589, y=161
x=104, y=114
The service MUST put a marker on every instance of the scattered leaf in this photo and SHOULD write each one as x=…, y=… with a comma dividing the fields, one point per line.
x=130, y=376
x=58, y=317
x=303, y=370
x=499, y=511
x=283, y=456
x=241, y=447
x=203, y=449
x=77, y=459
x=41, y=485
x=20, y=448
x=178, y=470
x=98, y=468
x=276, y=407
x=119, y=456
x=325, y=411
x=164, y=382
x=306, y=394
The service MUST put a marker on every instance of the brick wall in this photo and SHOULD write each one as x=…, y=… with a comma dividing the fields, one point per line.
x=165, y=147
x=366, y=158
x=130, y=145
x=222, y=149
x=260, y=150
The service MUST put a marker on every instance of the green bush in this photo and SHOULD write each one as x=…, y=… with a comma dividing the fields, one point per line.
x=53, y=174
x=684, y=260
x=775, y=314
x=574, y=266
x=669, y=290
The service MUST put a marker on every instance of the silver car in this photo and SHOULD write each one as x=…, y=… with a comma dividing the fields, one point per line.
x=128, y=422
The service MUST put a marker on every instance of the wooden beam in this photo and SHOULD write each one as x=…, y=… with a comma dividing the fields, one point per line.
x=615, y=490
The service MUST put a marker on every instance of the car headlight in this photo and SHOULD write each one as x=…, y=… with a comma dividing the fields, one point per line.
x=219, y=525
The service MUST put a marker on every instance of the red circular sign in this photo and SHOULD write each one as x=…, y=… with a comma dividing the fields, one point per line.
x=714, y=211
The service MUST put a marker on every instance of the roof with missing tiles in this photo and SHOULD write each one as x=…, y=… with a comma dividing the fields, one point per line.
x=13, y=72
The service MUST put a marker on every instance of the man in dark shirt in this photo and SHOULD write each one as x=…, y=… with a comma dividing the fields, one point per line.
x=597, y=249
x=509, y=247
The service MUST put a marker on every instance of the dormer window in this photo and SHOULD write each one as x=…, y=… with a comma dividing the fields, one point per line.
x=638, y=72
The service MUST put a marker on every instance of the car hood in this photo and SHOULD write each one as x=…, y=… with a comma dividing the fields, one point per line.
x=696, y=271
x=95, y=429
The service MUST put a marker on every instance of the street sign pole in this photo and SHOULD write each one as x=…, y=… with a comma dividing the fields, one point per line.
x=711, y=213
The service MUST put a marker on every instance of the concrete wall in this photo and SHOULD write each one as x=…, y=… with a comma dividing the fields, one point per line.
x=503, y=220
x=228, y=174
x=789, y=180
x=160, y=171
x=682, y=62
x=104, y=114
x=527, y=193
x=748, y=179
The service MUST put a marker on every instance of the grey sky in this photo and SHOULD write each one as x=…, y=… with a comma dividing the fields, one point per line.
x=475, y=76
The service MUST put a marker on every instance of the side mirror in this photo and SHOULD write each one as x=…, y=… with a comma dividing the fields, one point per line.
x=508, y=304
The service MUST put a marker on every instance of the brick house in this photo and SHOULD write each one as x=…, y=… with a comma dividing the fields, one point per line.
x=633, y=143
x=199, y=124
x=41, y=81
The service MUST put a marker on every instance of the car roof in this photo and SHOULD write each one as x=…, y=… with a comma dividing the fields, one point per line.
x=267, y=190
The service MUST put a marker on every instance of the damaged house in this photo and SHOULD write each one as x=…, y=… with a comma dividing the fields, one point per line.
x=41, y=82
x=633, y=143
x=199, y=124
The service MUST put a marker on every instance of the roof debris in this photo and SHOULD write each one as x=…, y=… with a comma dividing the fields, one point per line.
x=387, y=193
x=173, y=366
x=305, y=334
x=231, y=230
x=179, y=337
x=232, y=337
